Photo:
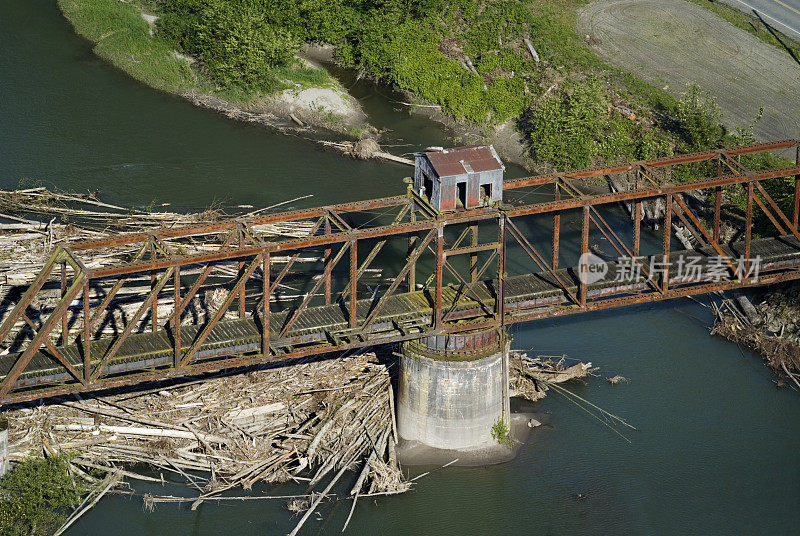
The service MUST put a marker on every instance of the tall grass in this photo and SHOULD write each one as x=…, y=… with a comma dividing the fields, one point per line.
x=122, y=37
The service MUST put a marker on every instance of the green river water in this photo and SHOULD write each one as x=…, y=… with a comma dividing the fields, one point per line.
x=716, y=446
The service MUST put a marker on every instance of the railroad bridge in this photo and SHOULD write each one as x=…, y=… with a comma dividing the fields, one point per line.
x=443, y=274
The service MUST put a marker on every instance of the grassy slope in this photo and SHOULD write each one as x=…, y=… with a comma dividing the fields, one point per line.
x=122, y=37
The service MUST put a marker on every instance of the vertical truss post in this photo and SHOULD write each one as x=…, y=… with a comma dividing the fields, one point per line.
x=353, y=283
x=501, y=271
x=412, y=273
x=637, y=217
x=437, y=305
x=717, y=211
x=326, y=262
x=177, y=331
x=473, y=258
x=718, y=200
x=667, y=242
x=241, y=296
x=556, y=227
x=748, y=232
x=64, y=319
x=241, y=267
x=797, y=192
x=153, y=282
x=87, y=334
x=584, y=251
x=265, y=296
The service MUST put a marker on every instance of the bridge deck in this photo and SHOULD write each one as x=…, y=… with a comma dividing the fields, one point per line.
x=403, y=314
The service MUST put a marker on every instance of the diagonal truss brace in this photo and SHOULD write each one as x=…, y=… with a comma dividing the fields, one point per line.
x=396, y=283
x=328, y=269
x=220, y=312
x=43, y=332
x=132, y=323
x=537, y=258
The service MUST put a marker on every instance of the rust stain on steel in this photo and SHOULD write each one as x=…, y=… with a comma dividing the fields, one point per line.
x=441, y=308
x=468, y=216
x=462, y=160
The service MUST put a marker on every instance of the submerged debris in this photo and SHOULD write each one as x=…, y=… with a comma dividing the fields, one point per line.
x=529, y=376
x=772, y=328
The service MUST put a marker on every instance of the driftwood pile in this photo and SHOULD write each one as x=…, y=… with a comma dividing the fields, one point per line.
x=771, y=328
x=268, y=425
x=529, y=377
x=41, y=219
x=299, y=423
x=308, y=423
x=365, y=149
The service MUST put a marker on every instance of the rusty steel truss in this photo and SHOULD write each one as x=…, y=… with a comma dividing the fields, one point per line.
x=443, y=270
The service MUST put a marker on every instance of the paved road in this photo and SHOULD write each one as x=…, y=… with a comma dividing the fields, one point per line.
x=784, y=15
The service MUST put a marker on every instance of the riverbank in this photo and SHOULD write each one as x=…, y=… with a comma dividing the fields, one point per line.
x=545, y=99
x=306, y=97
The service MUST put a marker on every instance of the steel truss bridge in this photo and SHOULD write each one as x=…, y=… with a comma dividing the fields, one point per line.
x=282, y=298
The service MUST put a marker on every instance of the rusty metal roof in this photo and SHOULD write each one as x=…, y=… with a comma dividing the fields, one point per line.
x=461, y=160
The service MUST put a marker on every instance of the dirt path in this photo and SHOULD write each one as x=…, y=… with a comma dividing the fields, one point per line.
x=672, y=42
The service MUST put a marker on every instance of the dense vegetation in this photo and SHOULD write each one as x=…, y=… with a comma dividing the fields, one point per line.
x=123, y=37
x=426, y=46
x=35, y=496
x=469, y=56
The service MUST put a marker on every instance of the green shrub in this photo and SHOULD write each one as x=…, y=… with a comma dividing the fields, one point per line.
x=35, y=496
x=500, y=433
x=236, y=42
x=698, y=120
x=564, y=128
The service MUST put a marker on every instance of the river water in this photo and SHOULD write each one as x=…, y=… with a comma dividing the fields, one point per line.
x=716, y=447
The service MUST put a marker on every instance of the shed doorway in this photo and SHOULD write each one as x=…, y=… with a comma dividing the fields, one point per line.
x=428, y=185
x=461, y=194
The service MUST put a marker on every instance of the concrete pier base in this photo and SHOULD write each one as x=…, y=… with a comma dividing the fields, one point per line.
x=3, y=445
x=452, y=389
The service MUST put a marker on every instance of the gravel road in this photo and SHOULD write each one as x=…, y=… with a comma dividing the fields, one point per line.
x=670, y=43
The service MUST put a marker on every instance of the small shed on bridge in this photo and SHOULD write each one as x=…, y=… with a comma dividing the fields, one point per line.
x=459, y=178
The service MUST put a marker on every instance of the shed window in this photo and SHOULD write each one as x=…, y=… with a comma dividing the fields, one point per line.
x=486, y=192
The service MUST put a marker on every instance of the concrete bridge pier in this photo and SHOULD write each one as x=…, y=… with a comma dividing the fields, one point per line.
x=3, y=445
x=453, y=389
